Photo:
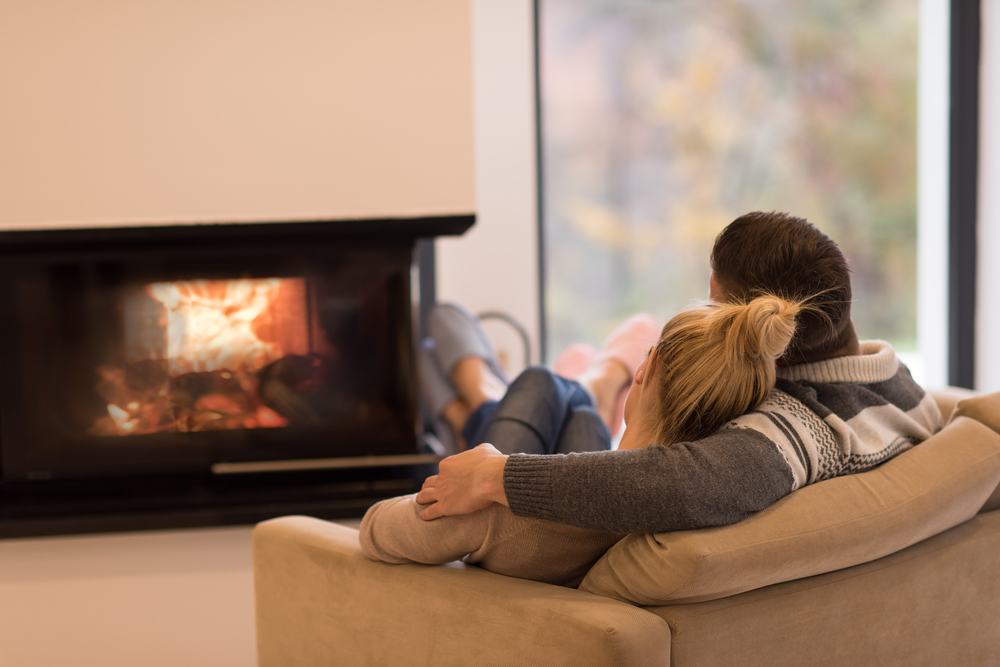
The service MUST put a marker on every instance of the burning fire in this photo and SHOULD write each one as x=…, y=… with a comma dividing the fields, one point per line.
x=200, y=361
x=210, y=323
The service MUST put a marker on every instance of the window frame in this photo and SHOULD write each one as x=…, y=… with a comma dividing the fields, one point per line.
x=963, y=189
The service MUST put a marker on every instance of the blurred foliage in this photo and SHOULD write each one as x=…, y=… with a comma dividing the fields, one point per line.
x=663, y=120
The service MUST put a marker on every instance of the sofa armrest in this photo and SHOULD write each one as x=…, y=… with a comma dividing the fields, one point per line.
x=319, y=601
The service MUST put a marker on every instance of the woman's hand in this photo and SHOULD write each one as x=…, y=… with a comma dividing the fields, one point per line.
x=465, y=483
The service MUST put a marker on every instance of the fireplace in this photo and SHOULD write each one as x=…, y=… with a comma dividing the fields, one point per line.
x=180, y=368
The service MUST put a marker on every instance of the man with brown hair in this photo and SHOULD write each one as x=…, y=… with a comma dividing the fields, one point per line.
x=838, y=407
x=780, y=254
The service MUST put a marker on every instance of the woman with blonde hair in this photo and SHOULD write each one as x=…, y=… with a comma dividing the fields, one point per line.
x=711, y=364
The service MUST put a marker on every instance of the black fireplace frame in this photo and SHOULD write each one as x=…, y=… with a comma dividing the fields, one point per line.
x=234, y=495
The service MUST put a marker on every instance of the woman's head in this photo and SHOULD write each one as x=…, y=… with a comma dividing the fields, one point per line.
x=711, y=364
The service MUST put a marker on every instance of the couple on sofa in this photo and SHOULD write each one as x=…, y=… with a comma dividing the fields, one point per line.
x=736, y=404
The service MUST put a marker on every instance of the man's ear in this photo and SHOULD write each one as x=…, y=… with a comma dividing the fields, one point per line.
x=640, y=373
x=715, y=292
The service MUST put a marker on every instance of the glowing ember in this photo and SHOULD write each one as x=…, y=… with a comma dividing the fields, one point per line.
x=123, y=420
x=210, y=323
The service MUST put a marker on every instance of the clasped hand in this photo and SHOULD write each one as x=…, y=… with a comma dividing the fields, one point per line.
x=465, y=483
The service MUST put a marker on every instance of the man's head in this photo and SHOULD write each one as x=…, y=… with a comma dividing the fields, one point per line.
x=776, y=253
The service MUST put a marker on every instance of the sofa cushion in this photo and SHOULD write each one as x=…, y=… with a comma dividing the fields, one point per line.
x=820, y=528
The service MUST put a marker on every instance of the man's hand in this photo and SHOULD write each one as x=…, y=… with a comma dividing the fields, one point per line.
x=465, y=483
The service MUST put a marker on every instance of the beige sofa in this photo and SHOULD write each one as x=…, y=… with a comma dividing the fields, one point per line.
x=896, y=566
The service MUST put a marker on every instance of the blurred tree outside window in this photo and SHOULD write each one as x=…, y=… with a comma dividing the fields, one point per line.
x=663, y=120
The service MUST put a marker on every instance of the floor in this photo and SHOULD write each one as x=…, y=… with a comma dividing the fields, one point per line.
x=158, y=598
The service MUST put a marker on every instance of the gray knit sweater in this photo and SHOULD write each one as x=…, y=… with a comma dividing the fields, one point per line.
x=823, y=419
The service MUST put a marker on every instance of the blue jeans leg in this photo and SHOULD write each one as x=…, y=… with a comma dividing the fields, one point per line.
x=532, y=416
x=584, y=431
x=475, y=426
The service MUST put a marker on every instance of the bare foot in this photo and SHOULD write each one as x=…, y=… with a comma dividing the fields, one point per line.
x=606, y=381
x=476, y=383
x=455, y=414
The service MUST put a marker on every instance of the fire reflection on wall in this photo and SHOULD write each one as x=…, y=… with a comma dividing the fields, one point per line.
x=205, y=355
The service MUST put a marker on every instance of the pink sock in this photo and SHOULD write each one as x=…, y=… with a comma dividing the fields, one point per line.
x=574, y=360
x=629, y=343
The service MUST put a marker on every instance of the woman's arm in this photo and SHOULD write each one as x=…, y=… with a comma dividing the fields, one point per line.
x=392, y=532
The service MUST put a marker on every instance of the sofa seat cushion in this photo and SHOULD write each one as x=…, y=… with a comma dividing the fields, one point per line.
x=827, y=526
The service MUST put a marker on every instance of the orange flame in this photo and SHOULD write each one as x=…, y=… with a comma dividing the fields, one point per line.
x=210, y=323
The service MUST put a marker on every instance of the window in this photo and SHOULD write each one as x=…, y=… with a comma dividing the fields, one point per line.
x=663, y=121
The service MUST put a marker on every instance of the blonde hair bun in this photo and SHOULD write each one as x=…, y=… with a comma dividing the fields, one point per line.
x=774, y=319
x=717, y=361
x=761, y=328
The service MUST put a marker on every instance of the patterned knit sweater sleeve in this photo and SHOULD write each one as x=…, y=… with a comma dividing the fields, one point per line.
x=829, y=418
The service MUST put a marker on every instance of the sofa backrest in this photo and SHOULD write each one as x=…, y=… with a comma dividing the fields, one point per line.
x=827, y=526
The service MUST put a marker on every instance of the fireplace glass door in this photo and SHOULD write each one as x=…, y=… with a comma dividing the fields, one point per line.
x=170, y=361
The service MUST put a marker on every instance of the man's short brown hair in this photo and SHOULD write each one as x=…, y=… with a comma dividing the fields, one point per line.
x=781, y=254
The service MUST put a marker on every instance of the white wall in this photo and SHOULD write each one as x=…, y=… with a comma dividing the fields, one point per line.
x=495, y=265
x=930, y=366
x=988, y=266
x=149, y=111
